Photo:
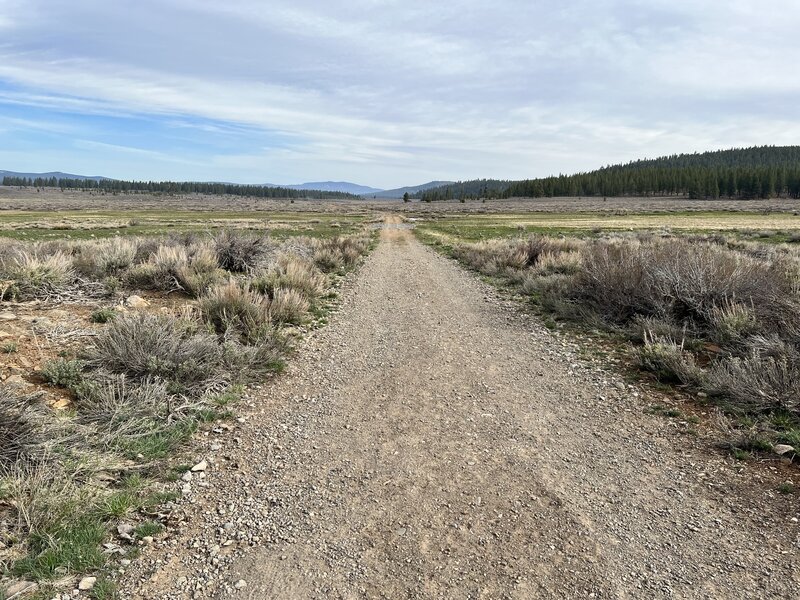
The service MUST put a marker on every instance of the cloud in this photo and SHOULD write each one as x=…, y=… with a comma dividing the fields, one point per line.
x=386, y=91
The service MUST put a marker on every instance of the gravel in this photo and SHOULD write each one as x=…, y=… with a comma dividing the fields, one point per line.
x=435, y=442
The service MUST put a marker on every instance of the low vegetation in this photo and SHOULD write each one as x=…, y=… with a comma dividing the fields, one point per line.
x=715, y=315
x=145, y=382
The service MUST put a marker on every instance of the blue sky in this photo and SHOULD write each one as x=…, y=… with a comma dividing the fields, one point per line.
x=387, y=92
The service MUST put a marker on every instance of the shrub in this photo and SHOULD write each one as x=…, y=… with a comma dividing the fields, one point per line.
x=336, y=253
x=668, y=361
x=103, y=315
x=233, y=310
x=106, y=258
x=238, y=252
x=291, y=273
x=63, y=372
x=328, y=260
x=35, y=276
x=289, y=306
x=20, y=435
x=143, y=346
x=125, y=407
x=759, y=382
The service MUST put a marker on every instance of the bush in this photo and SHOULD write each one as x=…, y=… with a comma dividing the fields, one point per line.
x=289, y=306
x=106, y=258
x=20, y=432
x=33, y=276
x=238, y=252
x=235, y=311
x=291, y=273
x=668, y=361
x=143, y=346
x=103, y=315
x=766, y=380
x=336, y=253
x=63, y=372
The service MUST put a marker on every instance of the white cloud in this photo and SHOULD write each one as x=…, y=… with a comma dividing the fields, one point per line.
x=386, y=90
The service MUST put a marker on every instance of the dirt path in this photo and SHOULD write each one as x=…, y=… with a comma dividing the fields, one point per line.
x=433, y=443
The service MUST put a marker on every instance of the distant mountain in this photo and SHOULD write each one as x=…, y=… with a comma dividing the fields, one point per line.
x=413, y=189
x=331, y=186
x=56, y=174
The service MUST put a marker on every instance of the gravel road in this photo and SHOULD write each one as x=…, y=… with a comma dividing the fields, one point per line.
x=434, y=442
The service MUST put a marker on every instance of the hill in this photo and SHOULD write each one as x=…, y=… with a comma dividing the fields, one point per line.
x=758, y=172
x=413, y=189
x=50, y=175
x=331, y=186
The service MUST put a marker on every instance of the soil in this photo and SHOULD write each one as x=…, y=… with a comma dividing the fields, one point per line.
x=435, y=442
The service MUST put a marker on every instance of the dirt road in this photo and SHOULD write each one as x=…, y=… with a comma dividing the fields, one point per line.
x=431, y=442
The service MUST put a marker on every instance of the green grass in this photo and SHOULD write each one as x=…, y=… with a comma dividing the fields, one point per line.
x=148, y=529
x=75, y=548
x=103, y=315
x=81, y=225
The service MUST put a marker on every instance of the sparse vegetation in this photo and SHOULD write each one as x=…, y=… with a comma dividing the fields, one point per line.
x=146, y=381
x=718, y=315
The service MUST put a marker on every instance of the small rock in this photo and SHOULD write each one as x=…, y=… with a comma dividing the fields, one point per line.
x=781, y=449
x=125, y=530
x=7, y=316
x=136, y=302
x=200, y=467
x=147, y=540
x=87, y=583
x=241, y=584
x=187, y=476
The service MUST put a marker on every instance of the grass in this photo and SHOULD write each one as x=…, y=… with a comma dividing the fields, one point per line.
x=103, y=315
x=95, y=225
x=148, y=380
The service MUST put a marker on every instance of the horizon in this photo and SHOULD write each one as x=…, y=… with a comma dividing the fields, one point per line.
x=385, y=95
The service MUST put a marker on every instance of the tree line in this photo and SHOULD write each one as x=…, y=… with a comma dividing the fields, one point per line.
x=746, y=173
x=171, y=187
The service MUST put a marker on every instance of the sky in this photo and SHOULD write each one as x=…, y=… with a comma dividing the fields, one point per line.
x=388, y=93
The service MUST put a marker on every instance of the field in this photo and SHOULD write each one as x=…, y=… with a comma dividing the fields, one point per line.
x=142, y=339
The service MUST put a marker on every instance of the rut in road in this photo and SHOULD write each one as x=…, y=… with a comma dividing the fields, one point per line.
x=432, y=442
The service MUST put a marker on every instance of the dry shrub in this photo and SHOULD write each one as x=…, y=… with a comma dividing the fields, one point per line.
x=233, y=310
x=126, y=407
x=328, y=260
x=169, y=268
x=336, y=253
x=676, y=279
x=289, y=306
x=759, y=383
x=238, y=252
x=21, y=435
x=142, y=346
x=292, y=272
x=31, y=275
x=668, y=360
x=106, y=258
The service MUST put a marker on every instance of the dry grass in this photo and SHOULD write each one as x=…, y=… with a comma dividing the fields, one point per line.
x=235, y=311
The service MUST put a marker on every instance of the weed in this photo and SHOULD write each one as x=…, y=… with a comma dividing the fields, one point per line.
x=103, y=315
x=9, y=348
x=63, y=372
